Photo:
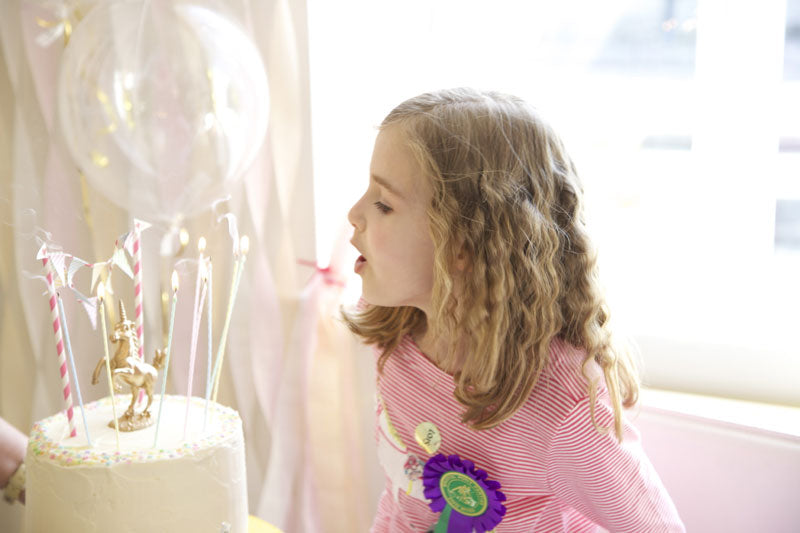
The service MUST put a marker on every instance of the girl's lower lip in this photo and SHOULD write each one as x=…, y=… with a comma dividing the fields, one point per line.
x=360, y=262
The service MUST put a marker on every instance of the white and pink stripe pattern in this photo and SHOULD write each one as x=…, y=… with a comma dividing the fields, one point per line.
x=137, y=291
x=62, y=360
x=137, y=287
x=557, y=471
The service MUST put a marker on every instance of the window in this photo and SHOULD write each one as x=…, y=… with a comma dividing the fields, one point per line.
x=787, y=205
x=683, y=117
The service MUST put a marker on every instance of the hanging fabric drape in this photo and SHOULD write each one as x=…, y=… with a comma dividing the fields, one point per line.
x=291, y=370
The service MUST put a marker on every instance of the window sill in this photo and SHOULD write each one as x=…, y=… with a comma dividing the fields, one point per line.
x=777, y=420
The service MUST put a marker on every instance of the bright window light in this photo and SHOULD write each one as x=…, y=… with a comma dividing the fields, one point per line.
x=683, y=117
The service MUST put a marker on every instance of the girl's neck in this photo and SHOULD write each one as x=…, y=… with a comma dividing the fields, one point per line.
x=435, y=348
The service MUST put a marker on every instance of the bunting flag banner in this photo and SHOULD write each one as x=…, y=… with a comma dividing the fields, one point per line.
x=125, y=241
x=141, y=225
x=97, y=269
x=58, y=260
x=74, y=266
x=89, y=305
x=121, y=261
x=128, y=244
x=42, y=253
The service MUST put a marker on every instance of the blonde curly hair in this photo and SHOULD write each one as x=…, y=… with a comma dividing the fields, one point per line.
x=507, y=197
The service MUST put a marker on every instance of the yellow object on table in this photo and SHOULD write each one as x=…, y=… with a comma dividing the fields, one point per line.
x=256, y=525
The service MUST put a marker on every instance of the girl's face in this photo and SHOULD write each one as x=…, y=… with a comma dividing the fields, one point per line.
x=391, y=227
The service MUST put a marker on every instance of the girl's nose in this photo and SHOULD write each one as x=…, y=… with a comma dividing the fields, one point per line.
x=355, y=217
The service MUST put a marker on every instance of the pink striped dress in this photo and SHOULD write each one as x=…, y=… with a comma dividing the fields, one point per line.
x=557, y=472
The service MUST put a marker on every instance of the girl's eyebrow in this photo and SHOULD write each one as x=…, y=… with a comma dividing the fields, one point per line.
x=386, y=185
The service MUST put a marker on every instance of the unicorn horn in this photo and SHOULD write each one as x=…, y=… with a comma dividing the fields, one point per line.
x=123, y=316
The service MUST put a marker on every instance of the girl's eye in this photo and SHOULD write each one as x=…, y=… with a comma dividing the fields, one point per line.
x=383, y=208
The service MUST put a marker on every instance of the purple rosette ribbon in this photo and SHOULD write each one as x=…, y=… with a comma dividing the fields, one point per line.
x=467, y=500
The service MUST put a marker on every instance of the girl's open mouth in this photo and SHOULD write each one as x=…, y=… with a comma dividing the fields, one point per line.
x=360, y=262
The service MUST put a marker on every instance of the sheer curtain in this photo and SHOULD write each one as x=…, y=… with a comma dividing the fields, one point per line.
x=289, y=369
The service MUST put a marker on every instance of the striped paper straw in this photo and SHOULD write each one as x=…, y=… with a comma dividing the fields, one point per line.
x=72, y=365
x=62, y=360
x=137, y=289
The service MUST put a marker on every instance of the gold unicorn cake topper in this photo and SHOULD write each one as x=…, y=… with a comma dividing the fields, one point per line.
x=128, y=369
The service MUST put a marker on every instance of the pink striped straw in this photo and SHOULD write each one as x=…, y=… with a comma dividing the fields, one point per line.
x=137, y=276
x=62, y=360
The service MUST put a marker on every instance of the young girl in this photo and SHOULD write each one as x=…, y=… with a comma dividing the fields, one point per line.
x=500, y=392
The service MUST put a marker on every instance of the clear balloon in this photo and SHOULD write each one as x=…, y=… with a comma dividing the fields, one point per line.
x=163, y=105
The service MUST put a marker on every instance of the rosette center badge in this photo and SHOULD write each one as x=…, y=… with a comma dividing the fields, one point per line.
x=463, y=494
x=465, y=498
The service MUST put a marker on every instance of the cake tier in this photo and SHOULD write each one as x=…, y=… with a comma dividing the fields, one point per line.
x=193, y=484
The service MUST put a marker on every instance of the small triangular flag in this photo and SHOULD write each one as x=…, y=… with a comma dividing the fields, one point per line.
x=121, y=261
x=42, y=253
x=124, y=241
x=140, y=225
x=75, y=265
x=89, y=305
x=58, y=260
x=129, y=240
x=97, y=269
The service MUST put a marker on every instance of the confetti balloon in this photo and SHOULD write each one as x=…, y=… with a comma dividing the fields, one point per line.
x=163, y=105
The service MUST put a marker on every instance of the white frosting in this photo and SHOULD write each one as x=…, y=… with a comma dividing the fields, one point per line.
x=190, y=485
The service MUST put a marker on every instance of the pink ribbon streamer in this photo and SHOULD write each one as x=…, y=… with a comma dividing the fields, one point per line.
x=329, y=276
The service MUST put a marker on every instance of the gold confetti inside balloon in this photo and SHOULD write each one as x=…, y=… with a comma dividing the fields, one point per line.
x=162, y=105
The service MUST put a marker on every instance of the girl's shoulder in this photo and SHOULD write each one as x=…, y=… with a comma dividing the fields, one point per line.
x=568, y=374
x=561, y=391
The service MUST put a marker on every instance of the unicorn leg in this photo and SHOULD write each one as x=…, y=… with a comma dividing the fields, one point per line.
x=134, y=395
x=149, y=391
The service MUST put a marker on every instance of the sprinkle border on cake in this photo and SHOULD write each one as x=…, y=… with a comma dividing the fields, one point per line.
x=42, y=446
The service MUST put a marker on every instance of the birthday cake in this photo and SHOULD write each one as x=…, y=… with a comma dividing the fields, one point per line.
x=185, y=483
x=134, y=463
